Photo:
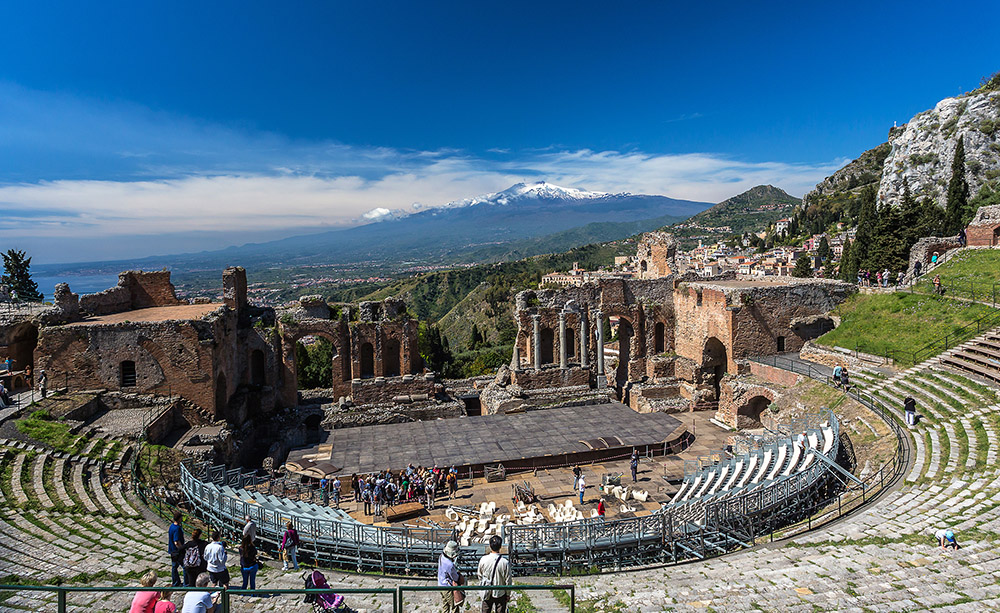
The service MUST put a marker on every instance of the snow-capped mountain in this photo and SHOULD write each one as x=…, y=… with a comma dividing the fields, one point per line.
x=532, y=191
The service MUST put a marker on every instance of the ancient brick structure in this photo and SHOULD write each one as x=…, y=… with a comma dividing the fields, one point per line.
x=984, y=230
x=673, y=340
x=375, y=355
x=655, y=255
x=232, y=360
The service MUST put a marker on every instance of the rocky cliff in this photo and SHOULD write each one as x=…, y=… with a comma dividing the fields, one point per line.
x=922, y=151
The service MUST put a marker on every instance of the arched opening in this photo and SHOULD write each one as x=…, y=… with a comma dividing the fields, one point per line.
x=748, y=415
x=659, y=344
x=715, y=363
x=546, y=351
x=390, y=357
x=258, y=375
x=625, y=334
x=643, y=266
x=126, y=373
x=221, y=395
x=781, y=344
x=570, y=343
x=21, y=348
x=312, y=424
x=314, y=362
x=367, y=356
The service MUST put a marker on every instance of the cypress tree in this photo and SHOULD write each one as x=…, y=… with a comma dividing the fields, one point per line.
x=17, y=276
x=865, y=237
x=956, y=211
x=803, y=267
x=845, y=256
x=823, y=250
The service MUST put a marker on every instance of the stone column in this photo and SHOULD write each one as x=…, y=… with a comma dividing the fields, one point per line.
x=536, y=352
x=562, y=341
x=515, y=360
x=599, y=316
x=584, y=338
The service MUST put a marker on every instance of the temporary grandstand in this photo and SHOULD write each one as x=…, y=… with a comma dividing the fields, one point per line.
x=723, y=504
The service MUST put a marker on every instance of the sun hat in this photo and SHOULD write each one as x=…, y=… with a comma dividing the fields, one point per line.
x=451, y=550
x=949, y=535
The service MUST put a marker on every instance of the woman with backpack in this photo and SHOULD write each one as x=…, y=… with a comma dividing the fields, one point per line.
x=289, y=546
x=193, y=557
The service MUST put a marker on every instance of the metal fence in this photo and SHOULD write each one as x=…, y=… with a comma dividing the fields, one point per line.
x=227, y=597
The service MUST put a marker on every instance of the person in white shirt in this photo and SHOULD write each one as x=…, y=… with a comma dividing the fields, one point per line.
x=215, y=560
x=250, y=528
x=199, y=602
x=494, y=569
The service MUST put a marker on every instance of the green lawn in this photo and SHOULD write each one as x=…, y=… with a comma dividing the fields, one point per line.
x=899, y=323
x=969, y=274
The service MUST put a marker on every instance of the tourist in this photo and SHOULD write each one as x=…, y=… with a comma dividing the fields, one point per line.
x=910, y=409
x=633, y=464
x=916, y=268
x=175, y=541
x=356, y=487
x=448, y=575
x=199, y=602
x=429, y=489
x=837, y=371
x=581, y=485
x=800, y=440
x=946, y=539
x=248, y=563
x=576, y=476
x=163, y=605
x=899, y=278
x=289, y=547
x=144, y=601
x=885, y=277
x=961, y=237
x=194, y=558
x=215, y=561
x=937, y=284
x=324, y=495
x=934, y=258
x=336, y=491
x=494, y=569
x=845, y=380
x=4, y=399
x=249, y=528
x=600, y=509
x=43, y=383
x=366, y=496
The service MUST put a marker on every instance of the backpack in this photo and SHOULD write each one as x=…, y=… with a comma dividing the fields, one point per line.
x=192, y=557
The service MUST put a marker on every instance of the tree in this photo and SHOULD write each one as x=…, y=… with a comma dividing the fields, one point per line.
x=17, y=276
x=433, y=347
x=314, y=364
x=824, y=249
x=865, y=237
x=803, y=267
x=845, y=255
x=956, y=212
x=475, y=338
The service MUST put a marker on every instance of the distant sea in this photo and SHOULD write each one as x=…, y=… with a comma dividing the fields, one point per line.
x=79, y=284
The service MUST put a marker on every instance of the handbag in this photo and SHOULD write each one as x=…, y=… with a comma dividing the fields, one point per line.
x=459, y=595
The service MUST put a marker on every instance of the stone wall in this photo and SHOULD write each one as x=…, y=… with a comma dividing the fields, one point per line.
x=552, y=376
x=984, y=231
x=382, y=390
x=924, y=249
x=135, y=290
x=743, y=403
x=774, y=375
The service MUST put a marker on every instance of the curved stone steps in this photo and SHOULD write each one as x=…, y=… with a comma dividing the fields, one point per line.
x=81, y=490
x=974, y=395
x=38, y=481
x=59, y=477
x=97, y=488
x=20, y=496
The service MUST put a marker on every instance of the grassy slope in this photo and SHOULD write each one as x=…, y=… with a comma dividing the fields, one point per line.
x=979, y=267
x=899, y=322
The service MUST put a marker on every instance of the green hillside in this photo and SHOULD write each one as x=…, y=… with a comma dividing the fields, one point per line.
x=753, y=210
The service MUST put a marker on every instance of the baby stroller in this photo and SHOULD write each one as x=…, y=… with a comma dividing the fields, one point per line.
x=323, y=602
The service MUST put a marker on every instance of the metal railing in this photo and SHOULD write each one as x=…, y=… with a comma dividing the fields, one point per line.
x=226, y=596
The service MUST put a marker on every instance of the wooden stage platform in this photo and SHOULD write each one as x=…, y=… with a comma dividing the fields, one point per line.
x=541, y=438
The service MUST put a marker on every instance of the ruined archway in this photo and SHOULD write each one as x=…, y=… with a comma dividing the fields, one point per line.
x=714, y=363
x=625, y=334
x=390, y=358
x=366, y=355
x=21, y=347
x=748, y=415
x=547, y=342
x=221, y=395
x=258, y=372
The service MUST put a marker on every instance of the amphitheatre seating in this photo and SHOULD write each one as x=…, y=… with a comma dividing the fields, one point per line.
x=979, y=356
x=777, y=458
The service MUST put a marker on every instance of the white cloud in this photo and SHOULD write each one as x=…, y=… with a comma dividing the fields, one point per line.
x=174, y=176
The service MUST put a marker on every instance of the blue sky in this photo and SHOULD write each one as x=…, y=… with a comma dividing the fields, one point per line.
x=135, y=128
